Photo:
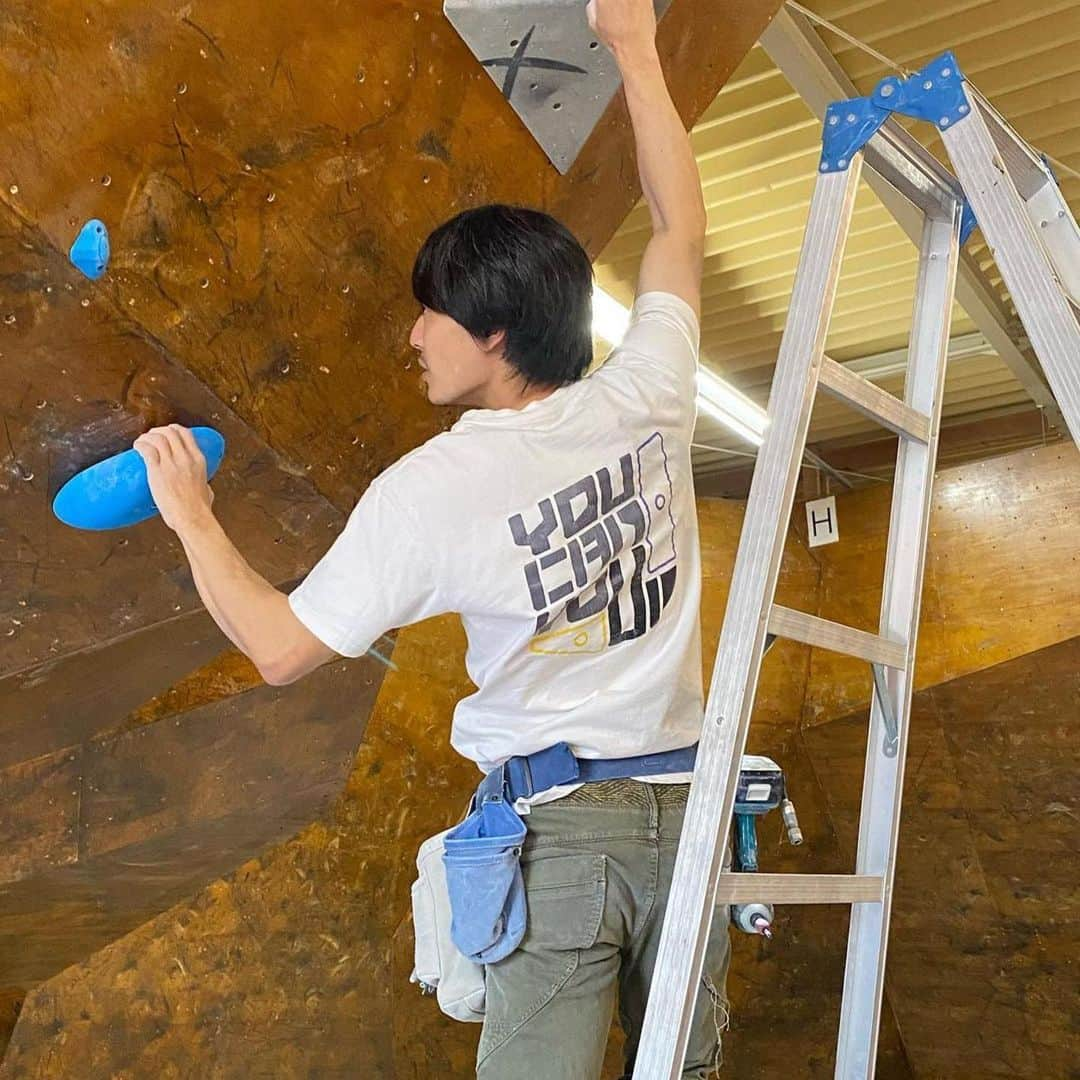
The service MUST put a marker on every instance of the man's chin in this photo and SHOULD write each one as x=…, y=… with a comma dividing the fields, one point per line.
x=444, y=399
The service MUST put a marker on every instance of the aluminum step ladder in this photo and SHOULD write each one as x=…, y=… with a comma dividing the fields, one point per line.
x=986, y=156
x=1030, y=229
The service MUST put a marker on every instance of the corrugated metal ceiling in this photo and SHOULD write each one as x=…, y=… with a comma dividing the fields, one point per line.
x=757, y=148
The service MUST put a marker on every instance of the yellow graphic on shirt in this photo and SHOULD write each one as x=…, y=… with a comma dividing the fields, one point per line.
x=583, y=637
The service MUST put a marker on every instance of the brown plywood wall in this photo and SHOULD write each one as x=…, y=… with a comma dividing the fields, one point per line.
x=297, y=964
x=267, y=172
x=1002, y=572
x=176, y=836
x=982, y=953
x=314, y=937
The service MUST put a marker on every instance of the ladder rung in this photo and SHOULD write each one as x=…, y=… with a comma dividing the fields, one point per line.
x=870, y=400
x=799, y=626
x=799, y=889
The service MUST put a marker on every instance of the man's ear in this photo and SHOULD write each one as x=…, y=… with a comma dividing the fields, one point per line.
x=495, y=342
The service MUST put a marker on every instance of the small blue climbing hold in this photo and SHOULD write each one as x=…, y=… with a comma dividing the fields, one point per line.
x=90, y=252
x=115, y=492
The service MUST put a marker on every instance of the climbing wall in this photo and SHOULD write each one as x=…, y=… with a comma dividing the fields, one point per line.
x=298, y=960
x=266, y=173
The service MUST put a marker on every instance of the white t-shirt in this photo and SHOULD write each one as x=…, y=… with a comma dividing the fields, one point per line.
x=565, y=535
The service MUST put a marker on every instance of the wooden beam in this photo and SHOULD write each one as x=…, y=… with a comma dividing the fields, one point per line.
x=870, y=400
x=809, y=629
x=799, y=889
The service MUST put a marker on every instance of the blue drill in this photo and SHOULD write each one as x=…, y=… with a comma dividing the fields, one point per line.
x=762, y=788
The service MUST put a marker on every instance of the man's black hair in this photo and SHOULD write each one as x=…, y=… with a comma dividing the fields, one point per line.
x=510, y=268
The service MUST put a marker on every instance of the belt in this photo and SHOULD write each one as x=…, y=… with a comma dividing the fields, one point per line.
x=524, y=776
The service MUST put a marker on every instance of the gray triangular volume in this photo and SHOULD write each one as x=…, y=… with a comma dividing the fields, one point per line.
x=547, y=63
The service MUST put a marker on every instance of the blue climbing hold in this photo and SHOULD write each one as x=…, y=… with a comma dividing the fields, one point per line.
x=90, y=252
x=115, y=492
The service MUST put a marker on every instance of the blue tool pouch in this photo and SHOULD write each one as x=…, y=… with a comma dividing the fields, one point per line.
x=483, y=877
x=482, y=855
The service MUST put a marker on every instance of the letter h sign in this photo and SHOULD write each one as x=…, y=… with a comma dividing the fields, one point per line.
x=821, y=524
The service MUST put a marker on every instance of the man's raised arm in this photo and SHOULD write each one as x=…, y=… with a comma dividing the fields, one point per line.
x=669, y=176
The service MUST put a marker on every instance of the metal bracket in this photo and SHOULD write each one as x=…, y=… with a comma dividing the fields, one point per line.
x=849, y=126
x=547, y=63
x=1053, y=222
x=936, y=93
x=891, y=742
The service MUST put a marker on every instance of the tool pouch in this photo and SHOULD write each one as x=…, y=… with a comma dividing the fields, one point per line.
x=439, y=967
x=483, y=877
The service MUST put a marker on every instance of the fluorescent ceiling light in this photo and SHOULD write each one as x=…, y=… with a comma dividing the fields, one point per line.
x=884, y=365
x=610, y=319
x=731, y=407
x=717, y=398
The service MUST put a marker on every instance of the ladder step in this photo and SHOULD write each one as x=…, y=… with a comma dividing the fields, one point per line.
x=799, y=889
x=870, y=400
x=809, y=629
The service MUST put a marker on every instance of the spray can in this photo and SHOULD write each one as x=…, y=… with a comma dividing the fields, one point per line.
x=753, y=918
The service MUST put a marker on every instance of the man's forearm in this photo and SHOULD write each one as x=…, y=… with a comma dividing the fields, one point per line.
x=669, y=174
x=247, y=607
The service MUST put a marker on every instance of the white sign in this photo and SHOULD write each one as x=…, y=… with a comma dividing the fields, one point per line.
x=821, y=524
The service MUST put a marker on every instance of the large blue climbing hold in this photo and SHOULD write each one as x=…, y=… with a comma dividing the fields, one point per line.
x=90, y=252
x=115, y=492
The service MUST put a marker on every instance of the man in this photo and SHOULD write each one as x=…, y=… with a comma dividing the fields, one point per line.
x=557, y=517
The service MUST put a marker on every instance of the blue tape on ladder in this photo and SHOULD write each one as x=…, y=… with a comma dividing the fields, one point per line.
x=936, y=93
x=968, y=223
x=849, y=126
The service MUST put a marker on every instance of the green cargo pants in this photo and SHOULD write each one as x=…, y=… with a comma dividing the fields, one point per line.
x=597, y=866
